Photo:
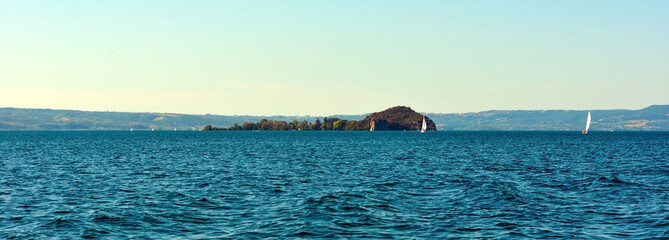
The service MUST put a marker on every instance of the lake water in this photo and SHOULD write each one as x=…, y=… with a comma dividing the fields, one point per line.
x=334, y=185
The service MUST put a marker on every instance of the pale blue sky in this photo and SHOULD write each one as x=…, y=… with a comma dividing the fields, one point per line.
x=337, y=57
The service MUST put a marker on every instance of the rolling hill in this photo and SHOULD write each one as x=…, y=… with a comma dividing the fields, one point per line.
x=652, y=118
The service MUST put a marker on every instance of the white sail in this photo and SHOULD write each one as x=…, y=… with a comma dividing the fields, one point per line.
x=587, y=123
x=424, y=127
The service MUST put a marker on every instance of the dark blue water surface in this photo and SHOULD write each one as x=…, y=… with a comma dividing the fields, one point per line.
x=334, y=185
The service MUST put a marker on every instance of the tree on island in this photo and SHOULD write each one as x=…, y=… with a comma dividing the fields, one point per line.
x=316, y=125
x=304, y=125
x=249, y=126
x=339, y=125
x=293, y=125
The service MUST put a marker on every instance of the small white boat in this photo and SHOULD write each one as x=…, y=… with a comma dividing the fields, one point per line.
x=424, y=127
x=587, y=124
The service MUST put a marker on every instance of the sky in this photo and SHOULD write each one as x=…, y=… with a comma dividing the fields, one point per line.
x=333, y=57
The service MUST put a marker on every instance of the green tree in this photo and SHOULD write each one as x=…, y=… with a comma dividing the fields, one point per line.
x=279, y=125
x=293, y=125
x=316, y=125
x=234, y=126
x=264, y=124
x=339, y=125
x=328, y=123
x=355, y=126
x=249, y=126
x=304, y=125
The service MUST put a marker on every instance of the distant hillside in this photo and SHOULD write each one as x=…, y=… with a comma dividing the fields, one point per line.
x=47, y=119
x=653, y=118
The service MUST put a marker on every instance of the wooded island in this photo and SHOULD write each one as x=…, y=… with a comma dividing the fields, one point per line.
x=398, y=118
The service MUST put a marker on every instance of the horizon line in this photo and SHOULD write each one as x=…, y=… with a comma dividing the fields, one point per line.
x=308, y=115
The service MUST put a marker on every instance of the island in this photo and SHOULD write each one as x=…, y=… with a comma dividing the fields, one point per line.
x=399, y=118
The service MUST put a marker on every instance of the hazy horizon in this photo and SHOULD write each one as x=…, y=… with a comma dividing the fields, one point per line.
x=338, y=114
x=332, y=58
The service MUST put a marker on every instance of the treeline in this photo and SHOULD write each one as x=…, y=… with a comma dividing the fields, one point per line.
x=271, y=125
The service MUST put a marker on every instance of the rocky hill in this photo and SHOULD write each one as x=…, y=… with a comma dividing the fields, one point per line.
x=398, y=119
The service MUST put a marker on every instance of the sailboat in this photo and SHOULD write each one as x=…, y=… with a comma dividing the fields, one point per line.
x=424, y=127
x=587, y=124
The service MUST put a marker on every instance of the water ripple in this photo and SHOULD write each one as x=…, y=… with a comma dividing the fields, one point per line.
x=321, y=185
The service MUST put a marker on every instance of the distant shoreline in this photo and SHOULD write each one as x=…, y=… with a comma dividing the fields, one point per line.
x=653, y=118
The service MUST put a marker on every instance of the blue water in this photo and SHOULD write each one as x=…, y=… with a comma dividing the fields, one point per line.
x=334, y=185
